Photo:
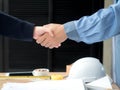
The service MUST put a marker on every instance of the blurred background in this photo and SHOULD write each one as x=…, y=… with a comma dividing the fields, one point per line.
x=25, y=56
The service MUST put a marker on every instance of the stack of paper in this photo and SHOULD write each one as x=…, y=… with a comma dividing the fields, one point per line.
x=68, y=84
x=100, y=84
x=71, y=84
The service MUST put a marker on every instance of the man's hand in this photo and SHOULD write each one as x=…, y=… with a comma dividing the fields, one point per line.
x=51, y=36
x=39, y=31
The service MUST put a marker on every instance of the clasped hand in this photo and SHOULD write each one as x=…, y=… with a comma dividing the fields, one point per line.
x=50, y=35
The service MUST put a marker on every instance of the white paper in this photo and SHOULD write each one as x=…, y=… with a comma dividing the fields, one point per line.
x=71, y=84
x=101, y=84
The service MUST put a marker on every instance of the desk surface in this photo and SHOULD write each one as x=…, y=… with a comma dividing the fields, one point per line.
x=4, y=80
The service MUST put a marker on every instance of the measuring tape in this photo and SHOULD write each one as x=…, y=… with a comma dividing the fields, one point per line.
x=26, y=77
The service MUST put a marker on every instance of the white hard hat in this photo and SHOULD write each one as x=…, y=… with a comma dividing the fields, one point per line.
x=88, y=69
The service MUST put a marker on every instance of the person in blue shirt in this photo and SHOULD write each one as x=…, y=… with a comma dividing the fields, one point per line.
x=103, y=24
x=15, y=28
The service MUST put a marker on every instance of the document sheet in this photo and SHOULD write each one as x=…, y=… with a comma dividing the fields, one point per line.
x=71, y=84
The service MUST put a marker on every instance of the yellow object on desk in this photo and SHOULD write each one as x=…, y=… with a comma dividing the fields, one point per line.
x=26, y=77
x=57, y=77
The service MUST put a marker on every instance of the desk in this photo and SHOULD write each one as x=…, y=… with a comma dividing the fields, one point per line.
x=4, y=80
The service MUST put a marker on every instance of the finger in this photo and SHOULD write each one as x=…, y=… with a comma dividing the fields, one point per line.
x=44, y=30
x=40, y=39
x=57, y=46
x=48, y=45
x=45, y=41
x=48, y=30
x=51, y=46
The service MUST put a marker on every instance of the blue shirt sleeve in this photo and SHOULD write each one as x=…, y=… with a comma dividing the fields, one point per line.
x=103, y=24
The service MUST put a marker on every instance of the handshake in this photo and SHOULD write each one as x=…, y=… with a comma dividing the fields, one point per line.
x=50, y=35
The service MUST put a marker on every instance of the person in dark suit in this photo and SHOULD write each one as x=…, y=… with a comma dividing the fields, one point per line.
x=16, y=28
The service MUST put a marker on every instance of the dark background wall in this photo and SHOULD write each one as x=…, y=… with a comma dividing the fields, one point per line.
x=20, y=56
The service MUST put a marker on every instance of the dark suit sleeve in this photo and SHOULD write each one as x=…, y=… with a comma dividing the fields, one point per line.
x=15, y=28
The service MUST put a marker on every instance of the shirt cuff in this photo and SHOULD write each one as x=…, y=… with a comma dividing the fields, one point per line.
x=71, y=31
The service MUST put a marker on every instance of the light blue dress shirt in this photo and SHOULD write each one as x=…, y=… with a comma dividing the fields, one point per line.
x=103, y=24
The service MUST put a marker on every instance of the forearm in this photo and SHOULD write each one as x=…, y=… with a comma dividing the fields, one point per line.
x=15, y=28
x=100, y=26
